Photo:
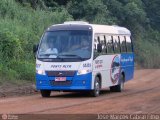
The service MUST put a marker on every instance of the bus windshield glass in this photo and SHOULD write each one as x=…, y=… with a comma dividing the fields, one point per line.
x=69, y=45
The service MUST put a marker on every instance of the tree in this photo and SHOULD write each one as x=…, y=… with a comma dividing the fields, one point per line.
x=90, y=10
x=34, y=3
x=152, y=8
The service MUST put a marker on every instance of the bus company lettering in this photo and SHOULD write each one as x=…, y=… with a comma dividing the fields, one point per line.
x=61, y=66
x=130, y=59
x=87, y=65
x=98, y=64
x=98, y=61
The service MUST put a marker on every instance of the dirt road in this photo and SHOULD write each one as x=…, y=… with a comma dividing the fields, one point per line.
x=141, y=95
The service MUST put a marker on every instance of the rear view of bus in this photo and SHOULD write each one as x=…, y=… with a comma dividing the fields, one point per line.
x=78, y=56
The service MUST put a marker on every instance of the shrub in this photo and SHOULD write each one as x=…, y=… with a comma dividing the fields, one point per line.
x=10, y=46
x=25, y=70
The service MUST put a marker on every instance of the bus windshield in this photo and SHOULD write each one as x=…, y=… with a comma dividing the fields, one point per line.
x=68, y=45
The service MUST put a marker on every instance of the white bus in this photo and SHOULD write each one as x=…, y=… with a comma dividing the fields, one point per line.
x=78, y=56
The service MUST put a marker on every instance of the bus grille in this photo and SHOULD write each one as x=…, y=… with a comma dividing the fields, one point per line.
x=61, y=73
x=61, y=83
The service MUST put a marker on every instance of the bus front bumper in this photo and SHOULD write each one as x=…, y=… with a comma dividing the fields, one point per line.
x=77, y=82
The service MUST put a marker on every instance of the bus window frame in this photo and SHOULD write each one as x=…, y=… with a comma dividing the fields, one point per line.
x=120, y=36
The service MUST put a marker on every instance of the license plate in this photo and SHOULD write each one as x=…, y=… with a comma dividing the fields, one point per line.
x=60, y=78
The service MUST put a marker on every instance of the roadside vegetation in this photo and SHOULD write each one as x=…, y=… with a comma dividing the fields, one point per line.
x=22, y=23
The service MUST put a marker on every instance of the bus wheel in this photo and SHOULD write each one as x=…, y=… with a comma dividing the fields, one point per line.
x=119, y=87
x=45, y=93
x=96, y=91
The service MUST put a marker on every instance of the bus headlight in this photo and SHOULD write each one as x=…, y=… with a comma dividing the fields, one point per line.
x=82, y=72
x=41, y=72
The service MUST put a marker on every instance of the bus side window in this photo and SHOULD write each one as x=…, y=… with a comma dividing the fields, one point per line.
x=95, y=44
x=116, y=44
x=109, y=41
x=123, y=44
x=105, y=45
x=99, y=45
x=128, y=44
x=119, y=43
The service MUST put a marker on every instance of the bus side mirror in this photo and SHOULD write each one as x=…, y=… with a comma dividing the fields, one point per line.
x=35, y=49
x=99, y=48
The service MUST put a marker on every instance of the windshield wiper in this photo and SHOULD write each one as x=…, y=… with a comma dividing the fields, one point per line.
x=47, y=54
x=70, y=55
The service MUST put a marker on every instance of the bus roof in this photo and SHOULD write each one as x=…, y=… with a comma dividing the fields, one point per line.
x=81, y=25
x=110, y=29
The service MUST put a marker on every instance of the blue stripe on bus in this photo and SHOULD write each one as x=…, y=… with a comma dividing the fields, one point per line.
x=127, y=65
x=44, y=82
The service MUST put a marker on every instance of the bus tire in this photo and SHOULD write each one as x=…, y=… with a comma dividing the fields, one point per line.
x=45, y=93
x=96, y=91
x=119, y=87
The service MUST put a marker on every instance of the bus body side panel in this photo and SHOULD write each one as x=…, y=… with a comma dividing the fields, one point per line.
x=127, y=65
x=108, y=66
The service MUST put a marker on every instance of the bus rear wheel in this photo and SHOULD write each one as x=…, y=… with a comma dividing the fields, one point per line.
x=96, y=91
x=45, y=93
x=120, y=86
